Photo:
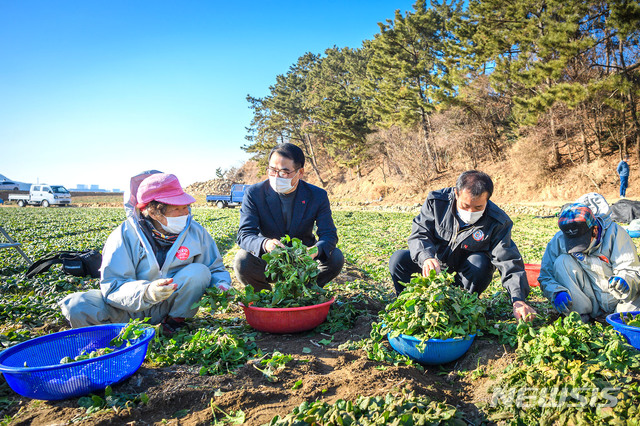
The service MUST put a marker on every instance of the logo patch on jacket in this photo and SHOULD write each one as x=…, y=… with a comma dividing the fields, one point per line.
x=182, y=253
x=579, y=256
x=478, y=235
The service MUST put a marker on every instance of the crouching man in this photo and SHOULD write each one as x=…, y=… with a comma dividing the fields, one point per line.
x=285, y=204
x=461, y=229
x=591, y=265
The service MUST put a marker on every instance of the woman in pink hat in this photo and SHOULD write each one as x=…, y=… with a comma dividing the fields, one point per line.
x=156, y=264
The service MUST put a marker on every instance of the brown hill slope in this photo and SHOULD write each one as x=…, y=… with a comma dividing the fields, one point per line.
x=520, y=179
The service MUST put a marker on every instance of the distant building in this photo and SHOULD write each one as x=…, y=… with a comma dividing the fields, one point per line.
x=80, y=187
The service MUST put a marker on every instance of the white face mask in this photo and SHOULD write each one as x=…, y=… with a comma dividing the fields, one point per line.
x=280, y=185
x=175, y=225
x=470, y=217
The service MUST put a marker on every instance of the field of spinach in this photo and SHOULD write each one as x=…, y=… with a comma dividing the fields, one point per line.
x=220, y=371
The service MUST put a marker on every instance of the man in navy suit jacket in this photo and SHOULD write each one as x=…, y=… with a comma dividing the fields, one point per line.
x=285, y=205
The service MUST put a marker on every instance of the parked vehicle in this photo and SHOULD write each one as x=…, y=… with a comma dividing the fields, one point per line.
x=8, y=184
x=231, y=200
x=43, y=195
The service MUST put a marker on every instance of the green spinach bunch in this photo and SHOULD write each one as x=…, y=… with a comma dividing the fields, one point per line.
x=433, y=308
x=569, y=338
x=132, y=331
x=630, y=319
x=115, y=401
x=567, y=368
x=377, y=349
x=275, y=364
x=403, y=409
x=215, y=300
x=217, y=350
x=293, y=273
x=87, y=355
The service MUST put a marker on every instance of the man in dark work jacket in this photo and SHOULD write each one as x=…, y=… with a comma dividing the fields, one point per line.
x=285, y=205
x=460, y=229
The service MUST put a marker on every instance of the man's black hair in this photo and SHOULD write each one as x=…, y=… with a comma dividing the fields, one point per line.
x=290, y=151
x=476, y=182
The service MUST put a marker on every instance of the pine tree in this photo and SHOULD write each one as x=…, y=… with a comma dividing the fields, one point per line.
x=337, y=104
x=409, y=71
x=283, y=115
x=538, y=52
x=623, y=24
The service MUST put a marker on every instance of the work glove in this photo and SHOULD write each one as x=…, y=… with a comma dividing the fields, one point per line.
x=562, y=302
x=160, y=290
x=223, y=286
x=618, y=284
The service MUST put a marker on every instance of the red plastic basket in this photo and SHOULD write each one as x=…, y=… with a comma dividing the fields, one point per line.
x=533, y=272
x=287, y=320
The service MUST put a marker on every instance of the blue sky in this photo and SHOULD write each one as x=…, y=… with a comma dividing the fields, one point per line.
x=94, y=91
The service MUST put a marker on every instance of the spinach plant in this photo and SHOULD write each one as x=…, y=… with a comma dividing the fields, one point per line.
x=403, y=409
x=132, y=331
x=630, y=319
x=217, y=350
x=293, y=273
x=570, y=367
x=433, y=308
x=112, y=400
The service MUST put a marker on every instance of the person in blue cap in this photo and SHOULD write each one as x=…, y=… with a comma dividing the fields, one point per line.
x=591, y=265
x=623, y=173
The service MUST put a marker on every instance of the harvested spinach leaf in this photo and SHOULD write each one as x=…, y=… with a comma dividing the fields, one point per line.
x=293, y=273
x=432, y=308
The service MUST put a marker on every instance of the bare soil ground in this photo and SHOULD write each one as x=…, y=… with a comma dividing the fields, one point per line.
x=180, y=396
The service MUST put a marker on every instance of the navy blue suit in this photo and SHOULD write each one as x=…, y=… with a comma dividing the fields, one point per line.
x=261, y=219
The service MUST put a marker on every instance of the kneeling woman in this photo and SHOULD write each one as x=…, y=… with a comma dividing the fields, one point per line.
x=156, y=264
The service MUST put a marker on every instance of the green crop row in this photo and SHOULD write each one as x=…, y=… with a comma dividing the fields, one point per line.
x=569, y=372
x=368, y=239
x=402, y=409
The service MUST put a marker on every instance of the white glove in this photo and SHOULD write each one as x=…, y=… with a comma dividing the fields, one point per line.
x=160, y=290
x=223, y=286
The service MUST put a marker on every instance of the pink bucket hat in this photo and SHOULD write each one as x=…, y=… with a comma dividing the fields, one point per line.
x=164, y=188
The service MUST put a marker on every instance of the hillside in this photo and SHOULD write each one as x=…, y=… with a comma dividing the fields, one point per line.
x=517, y=181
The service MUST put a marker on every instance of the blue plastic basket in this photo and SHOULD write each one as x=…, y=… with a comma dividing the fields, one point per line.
x=45, y=378
x=436, y=351
x=632, y=334
x=633, y=234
